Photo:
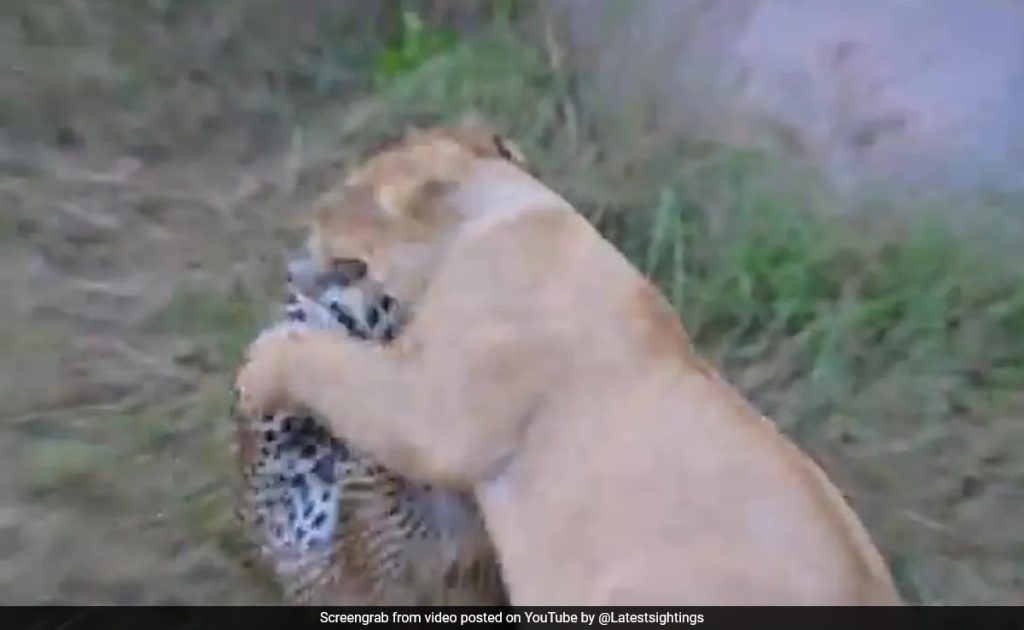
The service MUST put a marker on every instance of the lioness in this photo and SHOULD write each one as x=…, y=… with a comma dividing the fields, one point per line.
x=544, y=373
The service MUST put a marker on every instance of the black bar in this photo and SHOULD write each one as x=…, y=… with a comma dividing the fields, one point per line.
x=295, y=618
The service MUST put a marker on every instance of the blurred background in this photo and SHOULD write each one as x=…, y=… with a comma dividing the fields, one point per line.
x=828, y=192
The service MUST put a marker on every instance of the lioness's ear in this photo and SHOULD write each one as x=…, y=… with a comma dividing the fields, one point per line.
x=508, y=150
x=412, y=197
x=425, y=205
x=350, y=200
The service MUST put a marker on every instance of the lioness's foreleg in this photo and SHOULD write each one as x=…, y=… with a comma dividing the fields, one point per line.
x=450, y=417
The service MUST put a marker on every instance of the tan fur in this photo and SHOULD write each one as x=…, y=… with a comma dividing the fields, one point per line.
x=544, y=373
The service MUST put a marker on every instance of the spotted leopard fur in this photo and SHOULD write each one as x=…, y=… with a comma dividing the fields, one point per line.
x=334, y=526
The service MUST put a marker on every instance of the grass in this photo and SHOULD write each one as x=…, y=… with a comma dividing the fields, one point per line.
x=219, y=322
x=890, y=343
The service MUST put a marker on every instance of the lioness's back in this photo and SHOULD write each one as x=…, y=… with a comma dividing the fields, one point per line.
x=673, y=478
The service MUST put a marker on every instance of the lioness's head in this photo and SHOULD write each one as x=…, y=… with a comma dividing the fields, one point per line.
x=389, y=213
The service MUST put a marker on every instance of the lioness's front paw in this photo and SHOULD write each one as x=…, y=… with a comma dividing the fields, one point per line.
x=261, y=384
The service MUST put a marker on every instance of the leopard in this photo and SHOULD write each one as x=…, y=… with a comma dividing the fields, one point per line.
x=332, y=525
